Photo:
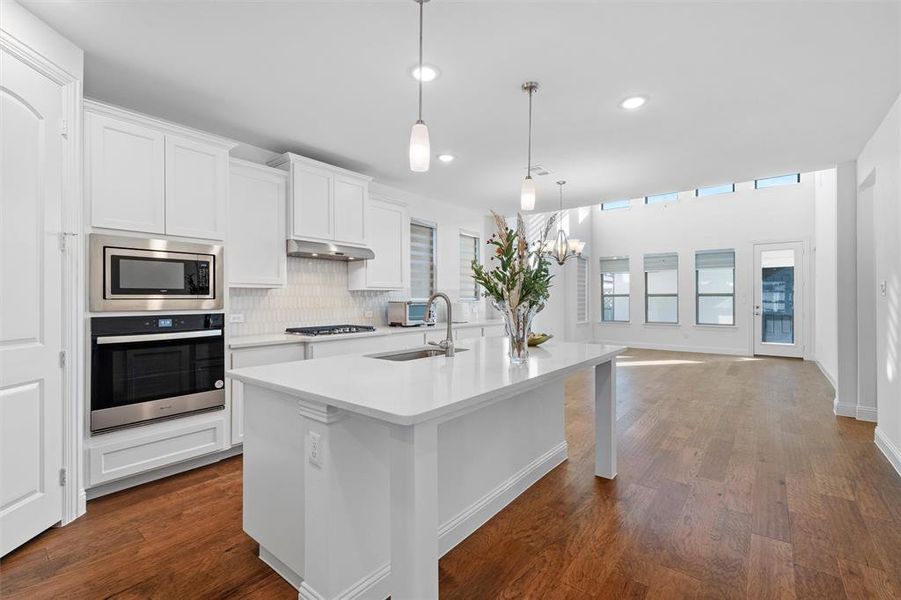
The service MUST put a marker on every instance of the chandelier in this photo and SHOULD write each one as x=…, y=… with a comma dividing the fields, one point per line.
x=563, y=248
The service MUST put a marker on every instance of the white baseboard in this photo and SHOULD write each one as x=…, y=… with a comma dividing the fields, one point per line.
x=890, y=450
x=866, y=413
x=827, y=376
x=457, y=528
x=841, y=409
x=675, y=348
x=376, y=585
x=285, y=572
x=141, y=478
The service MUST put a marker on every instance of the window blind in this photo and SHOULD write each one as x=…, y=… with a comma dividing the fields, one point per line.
x=715, y=259
x=661, y=262
x=615, y=264
x=422, y=260
x=469, y=251
x=582, y=289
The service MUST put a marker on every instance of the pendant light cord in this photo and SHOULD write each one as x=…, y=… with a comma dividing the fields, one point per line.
x=420, y=60
x=529, y=169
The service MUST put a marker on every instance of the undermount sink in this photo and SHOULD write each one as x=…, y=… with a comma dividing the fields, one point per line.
x=413, y=354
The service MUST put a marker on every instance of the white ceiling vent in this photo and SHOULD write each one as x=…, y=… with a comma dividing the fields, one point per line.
x=539, y=170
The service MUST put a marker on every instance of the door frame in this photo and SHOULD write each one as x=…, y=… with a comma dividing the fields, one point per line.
x=71, y=245
x=803, y=323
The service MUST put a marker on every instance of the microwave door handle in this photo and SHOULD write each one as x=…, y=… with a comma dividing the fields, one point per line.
x=153, y=337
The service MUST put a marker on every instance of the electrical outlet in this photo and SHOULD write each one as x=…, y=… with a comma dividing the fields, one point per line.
x=367, y=314
x=236, y=318
x=315, y=449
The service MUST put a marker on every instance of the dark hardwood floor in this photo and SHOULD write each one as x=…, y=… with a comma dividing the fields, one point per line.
x=735, y=480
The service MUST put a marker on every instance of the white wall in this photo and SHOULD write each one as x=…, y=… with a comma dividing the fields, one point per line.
x=735, y=220
x=879, y=166
x=825, y=272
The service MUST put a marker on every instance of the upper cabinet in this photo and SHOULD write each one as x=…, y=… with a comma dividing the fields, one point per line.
x=196, y=188
x=126, y=175
x=326, y=203
x=256, y=229
x=147, y=175
x=389, y=226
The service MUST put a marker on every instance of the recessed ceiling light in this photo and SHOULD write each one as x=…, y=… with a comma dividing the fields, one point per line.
x=446, y=158
x=633, y=102
x=429, y=73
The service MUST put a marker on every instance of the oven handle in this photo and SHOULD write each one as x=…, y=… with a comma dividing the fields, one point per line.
x=152, y=337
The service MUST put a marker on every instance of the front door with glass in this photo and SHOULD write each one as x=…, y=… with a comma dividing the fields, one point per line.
x=778, y=299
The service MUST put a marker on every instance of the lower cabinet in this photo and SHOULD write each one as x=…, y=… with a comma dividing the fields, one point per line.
x=253, y=357
x=129, y=452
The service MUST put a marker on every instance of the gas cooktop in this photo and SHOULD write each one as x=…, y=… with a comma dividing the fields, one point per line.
x=329, y=329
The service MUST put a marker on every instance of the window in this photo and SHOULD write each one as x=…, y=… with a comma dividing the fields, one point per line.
x=726, y=188
x=660, y=198
x=661, y=279
x=615, y=204
x=422, y=259
x=615, y=289
x=469, y=251
x=715, y=286
x=769, y=182
x=582, y=292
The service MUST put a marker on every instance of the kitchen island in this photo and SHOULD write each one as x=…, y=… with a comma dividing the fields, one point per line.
x=360, y=472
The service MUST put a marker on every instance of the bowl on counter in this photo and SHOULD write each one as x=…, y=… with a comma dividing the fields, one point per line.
x=536, y=339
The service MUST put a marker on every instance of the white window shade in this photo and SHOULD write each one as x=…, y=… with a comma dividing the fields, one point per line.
x=422, y=260
x=469, y=251
x=615, y=265
x=582, y=290
x=661, y=262
x=715, y=259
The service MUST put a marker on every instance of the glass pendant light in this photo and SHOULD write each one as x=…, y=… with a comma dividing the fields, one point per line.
x=527, y=193
x=562, y=248
x=420, y=149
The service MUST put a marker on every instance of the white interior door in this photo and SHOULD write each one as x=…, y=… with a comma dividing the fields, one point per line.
x=30, y=302
x=779, y=299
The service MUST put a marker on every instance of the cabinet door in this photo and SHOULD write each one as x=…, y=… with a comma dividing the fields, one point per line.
x=125, y=175
x=256, y=232
x=311, y=203
x=388, y=226
x=196, y=189
x=350, y=203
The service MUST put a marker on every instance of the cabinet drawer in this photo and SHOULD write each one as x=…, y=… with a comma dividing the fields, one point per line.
x=129, y=452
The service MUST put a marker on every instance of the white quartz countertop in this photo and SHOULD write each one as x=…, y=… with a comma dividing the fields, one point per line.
x=275, y=339
x=414, y=391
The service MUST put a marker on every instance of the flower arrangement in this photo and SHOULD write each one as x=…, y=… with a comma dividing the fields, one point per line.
x=517, y=280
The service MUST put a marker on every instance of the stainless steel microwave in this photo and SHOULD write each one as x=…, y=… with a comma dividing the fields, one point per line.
x=410, y=313
x=130, y=273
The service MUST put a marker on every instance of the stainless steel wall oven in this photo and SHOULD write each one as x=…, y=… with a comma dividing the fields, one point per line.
x=155, y=367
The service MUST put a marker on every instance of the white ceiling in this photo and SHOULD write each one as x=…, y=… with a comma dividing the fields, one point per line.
x=737, y=90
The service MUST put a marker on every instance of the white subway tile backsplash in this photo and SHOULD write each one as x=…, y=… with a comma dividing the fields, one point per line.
x=316, y=294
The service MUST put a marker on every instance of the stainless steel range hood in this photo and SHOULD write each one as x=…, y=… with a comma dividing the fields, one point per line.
x=328, y=251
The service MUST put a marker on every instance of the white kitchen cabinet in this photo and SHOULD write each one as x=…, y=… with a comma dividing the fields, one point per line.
x=144, y=174
x=133, y=451
x=196, y=188
x=256, y=229
x=326, y=203
x=252, y=357
x=125, y=174
x=389, y=226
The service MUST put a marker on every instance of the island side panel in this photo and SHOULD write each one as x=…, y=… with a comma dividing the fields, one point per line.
x=488, y=457
x=273, y=466
x=605, y=419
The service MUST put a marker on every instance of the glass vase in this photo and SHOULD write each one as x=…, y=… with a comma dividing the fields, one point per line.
x=518, y=326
